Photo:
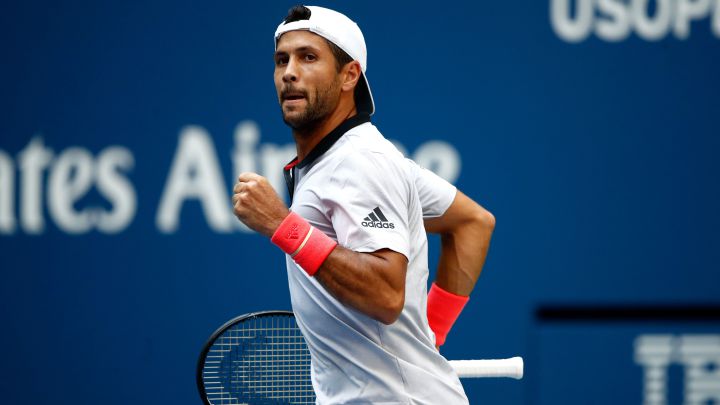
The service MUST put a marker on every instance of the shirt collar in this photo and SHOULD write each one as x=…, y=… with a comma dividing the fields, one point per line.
x=329, y=140
x=326, y=143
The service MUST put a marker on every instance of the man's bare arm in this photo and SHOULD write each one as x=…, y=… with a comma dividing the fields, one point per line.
x=373, y=283
x=465, y=230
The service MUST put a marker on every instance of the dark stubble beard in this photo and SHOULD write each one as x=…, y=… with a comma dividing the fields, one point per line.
x=326, y=99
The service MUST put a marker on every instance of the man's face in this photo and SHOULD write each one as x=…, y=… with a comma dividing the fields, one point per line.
x=306, y=79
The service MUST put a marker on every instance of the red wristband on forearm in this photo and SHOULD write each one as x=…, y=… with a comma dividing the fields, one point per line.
x=304, y=243
x=443, y=308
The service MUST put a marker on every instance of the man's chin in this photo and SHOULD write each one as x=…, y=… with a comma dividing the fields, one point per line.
x=300, y=122
x=292, y=118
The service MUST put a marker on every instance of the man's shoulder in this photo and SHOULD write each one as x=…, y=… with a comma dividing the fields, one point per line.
x=362, y=156
x=365, y=142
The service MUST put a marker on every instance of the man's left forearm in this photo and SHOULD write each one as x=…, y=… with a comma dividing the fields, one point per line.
x=465, y=230
x=462, y=256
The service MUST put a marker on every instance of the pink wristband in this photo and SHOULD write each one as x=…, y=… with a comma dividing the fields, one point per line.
x=443, y=308
x=304, y=243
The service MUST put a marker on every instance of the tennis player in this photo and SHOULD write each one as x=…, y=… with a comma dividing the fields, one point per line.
x=355, y=233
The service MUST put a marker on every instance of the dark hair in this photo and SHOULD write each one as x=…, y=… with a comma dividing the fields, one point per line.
x=298, y=13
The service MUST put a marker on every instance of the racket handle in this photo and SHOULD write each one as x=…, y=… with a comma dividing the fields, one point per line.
x=512, y=368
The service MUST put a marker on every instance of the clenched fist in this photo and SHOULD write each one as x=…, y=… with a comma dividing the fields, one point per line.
x=257, y=204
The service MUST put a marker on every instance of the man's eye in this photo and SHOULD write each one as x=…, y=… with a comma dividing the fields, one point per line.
x=310, y=57
x=281, y=61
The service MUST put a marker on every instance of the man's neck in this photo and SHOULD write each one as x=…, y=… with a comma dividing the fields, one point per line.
x=306, y=141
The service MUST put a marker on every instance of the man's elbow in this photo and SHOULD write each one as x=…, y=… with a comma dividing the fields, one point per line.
x=484, y=219
x=488, y=220
x=391, y=309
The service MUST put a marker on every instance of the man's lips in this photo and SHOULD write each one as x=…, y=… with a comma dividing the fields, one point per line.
x=293, y=96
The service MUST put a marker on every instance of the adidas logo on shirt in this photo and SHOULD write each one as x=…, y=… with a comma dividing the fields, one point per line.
x=376, y=219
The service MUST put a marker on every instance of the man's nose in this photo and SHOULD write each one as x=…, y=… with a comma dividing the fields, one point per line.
x=290, y=74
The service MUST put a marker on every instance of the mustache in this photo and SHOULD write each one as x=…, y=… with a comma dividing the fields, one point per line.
x=290, y=91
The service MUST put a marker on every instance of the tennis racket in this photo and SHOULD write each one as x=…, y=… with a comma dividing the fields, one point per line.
x=261, y=358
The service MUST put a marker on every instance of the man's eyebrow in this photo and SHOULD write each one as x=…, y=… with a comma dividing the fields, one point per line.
x=302, y=49
x=306, y=48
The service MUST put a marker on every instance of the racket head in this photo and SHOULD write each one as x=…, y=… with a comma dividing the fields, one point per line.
x=257, y=358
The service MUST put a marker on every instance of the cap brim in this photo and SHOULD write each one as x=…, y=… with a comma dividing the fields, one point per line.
x=363, y=97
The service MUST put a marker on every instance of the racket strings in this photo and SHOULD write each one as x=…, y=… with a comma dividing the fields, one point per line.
x=262, y=360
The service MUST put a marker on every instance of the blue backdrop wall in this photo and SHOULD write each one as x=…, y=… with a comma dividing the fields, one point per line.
x=589, y=128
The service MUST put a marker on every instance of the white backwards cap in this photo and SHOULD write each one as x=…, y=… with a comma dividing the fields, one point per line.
x=343, y=32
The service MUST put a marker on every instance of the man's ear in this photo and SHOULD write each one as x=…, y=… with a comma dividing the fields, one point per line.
x=351, y=74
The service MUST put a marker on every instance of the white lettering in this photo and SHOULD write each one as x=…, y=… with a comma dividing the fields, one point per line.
x=115, y=188
x=649, y=28
x=32, y=162
x=617, y=26
x=564, y=26
x=7, y=194
x=247, y=136
x=698, y=354
x=439, y=157
x=617, y=19
x=195, y=174
x=687, y=11
x=70, y=179
x=654, y=354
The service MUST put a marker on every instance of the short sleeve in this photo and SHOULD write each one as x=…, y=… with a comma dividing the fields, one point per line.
x=367, y=199
x=436, y=194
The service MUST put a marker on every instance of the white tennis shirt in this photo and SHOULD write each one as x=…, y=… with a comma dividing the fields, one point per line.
x=365, y=195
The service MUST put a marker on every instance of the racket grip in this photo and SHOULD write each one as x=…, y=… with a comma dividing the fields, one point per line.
x=511, y=368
